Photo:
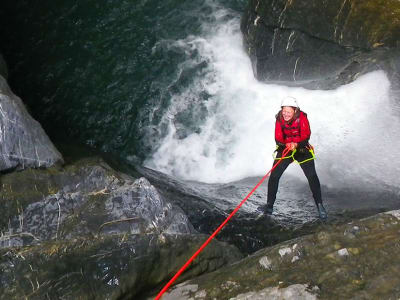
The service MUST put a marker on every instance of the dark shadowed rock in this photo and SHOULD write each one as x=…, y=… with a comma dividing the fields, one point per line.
x=321, y=44
x=23, y=142
x=354, y=23
x=3, y=67
x=98, y=268
x=358, y=260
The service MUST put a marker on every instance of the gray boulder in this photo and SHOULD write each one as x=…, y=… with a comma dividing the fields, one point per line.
x=86, y=231
x=321, y=44
x=90, y=200
x=23, y=142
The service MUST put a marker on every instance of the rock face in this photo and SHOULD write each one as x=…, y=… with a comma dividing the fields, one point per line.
x=23, y=143
x=88, y=268
x=359, y=260
x=91, y=199
x=321, y=44
x=206, y=213
x=85, y=231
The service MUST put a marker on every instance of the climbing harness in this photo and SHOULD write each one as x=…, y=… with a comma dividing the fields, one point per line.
x=183, y=268
x=310, y=149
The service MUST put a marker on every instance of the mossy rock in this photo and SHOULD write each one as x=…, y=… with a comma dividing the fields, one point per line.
x=19, y=189
x=359, y=260
x=84, y=230
x=85, y=198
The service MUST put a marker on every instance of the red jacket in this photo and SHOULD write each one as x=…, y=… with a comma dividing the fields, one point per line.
x=297, y=131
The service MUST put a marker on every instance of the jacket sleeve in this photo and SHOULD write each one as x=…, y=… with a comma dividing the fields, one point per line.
x=279, y=138
x=305, y=131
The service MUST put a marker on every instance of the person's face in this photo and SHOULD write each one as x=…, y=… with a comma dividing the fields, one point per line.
x=287, y=113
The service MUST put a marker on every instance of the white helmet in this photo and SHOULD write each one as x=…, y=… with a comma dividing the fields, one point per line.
x=289, y=101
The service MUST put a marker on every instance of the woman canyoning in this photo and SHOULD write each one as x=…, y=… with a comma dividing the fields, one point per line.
x=292, y=132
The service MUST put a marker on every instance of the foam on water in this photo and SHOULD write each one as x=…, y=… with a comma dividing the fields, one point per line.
x=354, y=128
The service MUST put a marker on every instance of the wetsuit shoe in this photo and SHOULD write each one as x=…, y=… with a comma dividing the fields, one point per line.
x=269, y=210
x=264, y=210
x=322, y=212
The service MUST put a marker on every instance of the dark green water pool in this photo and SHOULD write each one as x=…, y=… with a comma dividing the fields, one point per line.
x=103, y=72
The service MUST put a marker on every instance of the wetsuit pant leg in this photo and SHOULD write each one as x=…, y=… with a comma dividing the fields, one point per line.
x=273, y=181
x=313, y=180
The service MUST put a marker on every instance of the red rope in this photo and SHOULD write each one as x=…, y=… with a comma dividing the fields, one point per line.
x=183, y=268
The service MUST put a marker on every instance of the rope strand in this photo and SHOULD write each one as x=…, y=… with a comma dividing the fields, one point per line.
x=183, y=268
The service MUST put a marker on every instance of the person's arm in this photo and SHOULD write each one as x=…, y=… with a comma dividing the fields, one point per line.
x=279, y=138
x=305, y=132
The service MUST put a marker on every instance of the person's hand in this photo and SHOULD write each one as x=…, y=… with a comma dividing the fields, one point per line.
x=291, y=146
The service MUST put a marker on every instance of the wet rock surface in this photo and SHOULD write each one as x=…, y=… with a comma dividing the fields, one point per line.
x=23, y=142
x=358, y=260
x=88, y=198
x=100, y=268
x=85, y=231
x=206, y=208
x=333, y=45
x=295, y=214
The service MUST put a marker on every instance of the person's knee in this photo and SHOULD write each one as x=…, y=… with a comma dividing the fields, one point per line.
x=275, y=176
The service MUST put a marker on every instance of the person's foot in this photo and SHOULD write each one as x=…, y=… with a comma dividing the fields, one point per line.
x=323, y=215
x=269, y=210
x=264, y=210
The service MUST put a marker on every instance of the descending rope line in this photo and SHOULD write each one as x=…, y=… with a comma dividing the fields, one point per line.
x=183, y=268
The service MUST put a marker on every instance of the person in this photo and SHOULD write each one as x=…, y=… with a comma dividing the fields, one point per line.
x=292, y=131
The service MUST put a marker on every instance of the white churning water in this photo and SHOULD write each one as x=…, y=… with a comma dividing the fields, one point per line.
x=354, y=128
